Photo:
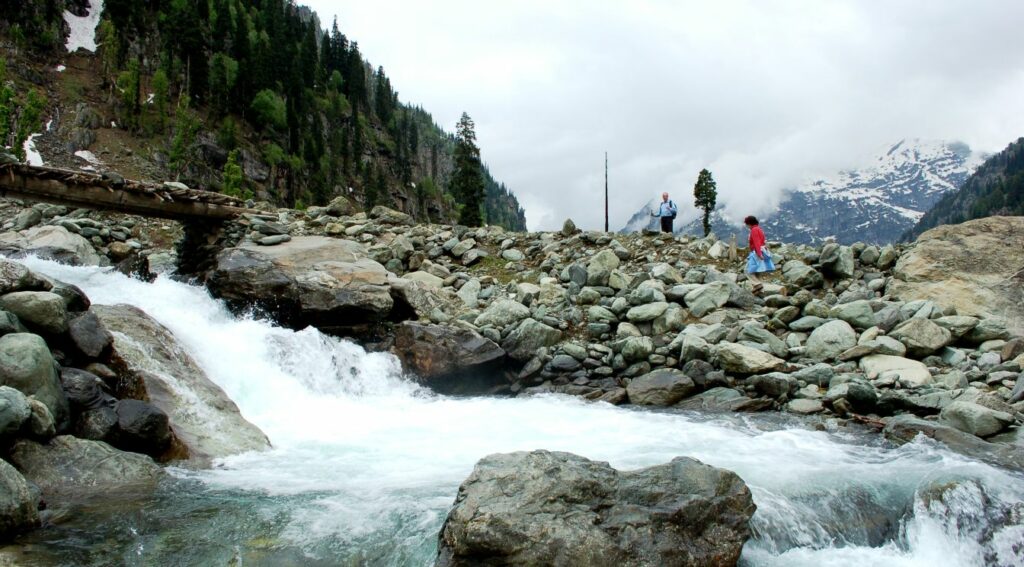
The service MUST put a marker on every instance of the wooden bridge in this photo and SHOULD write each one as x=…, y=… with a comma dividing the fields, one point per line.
x=113, y=193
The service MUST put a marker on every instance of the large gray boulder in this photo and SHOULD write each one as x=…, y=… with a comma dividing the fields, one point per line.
x=799, y=274
x=733, y=357
x=14, y=276
x=547, y=508
x=975, y=419
x=329, y=283
x=53, y=242
x=522, y=343
x=27, y=366
x=68, y=465
x=600, y=267
x=439, y=353
x=707, y=298
x=501, y=313
x=14, y=412
x=837, y=261
x=969, y=267
x=41, y=311
x=202, y=417
x=911, y=372
x=857, y=313
x=662, y=387
x=18, y=506
x=830, y=340
x=921, y=336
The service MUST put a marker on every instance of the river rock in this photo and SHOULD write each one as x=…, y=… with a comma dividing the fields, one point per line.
x=437, y=352
x=502, y=313
x=799, y=274
x=52, y=242
x=804, y=406
x=722, y=399
x=969, y=267
x=202, y=416
x=742, y=359
x=522, y=343
x=857, y=313
x=16, y=277
x=14, y=412
x=469, y=293
x=326, y=282
x=905, y=428
x=41, y=311
x=837, y=261
x=662, y=387
x=18, y=506
x=648, y=312
x=80, y=466
x=600, y=267
x=27, y=365
x=41, y=424
x=707, y=298
x=974, y=418
x=921, y=336
x=547, y=508
x=89, y=335
x=637, y=348
x=830, y=340
x=142, y=428
x=911, y=372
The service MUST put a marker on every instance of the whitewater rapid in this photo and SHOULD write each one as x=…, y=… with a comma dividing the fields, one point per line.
x=366, y=464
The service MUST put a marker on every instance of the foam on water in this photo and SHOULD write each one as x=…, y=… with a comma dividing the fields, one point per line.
x=364, y=457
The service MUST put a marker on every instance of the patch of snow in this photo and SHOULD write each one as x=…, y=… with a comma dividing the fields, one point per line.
x=88, y=156
x=61, y=68
x=32, y=156
x=83, y=28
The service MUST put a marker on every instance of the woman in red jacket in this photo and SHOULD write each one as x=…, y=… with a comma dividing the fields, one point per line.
x=760, y=259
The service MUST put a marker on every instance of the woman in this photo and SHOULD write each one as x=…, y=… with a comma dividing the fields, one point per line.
x=760, y=259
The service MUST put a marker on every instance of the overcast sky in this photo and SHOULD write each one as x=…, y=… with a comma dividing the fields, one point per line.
x=763, y=93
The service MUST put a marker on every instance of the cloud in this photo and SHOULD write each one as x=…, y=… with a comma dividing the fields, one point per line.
x=764, y=94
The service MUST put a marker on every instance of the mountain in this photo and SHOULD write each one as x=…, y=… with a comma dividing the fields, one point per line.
x=996, y=188
x=642, y=219
x=875, y=203
x=188, y=89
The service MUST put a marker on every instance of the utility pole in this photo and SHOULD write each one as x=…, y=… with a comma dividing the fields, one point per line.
x=606, y=191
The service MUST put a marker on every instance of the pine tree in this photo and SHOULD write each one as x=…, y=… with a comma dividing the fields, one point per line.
x=705, y=194
x=467, y=184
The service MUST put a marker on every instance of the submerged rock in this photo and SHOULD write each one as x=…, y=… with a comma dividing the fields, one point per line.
x=71, y=465
x=200, y=414
x=18, y=505
x=550, y=508
x=439, y=354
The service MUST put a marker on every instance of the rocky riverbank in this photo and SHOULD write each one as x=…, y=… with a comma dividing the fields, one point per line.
x=932, y=329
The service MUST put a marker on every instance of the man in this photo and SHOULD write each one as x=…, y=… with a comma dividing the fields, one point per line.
x=667, y=211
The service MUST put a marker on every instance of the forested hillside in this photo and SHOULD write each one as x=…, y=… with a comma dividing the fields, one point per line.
x=996, y=188
x=253, y=98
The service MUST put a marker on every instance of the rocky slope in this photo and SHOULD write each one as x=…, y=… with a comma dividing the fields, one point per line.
x=875, y=203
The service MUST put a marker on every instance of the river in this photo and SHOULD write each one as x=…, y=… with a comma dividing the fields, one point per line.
x=366, y=464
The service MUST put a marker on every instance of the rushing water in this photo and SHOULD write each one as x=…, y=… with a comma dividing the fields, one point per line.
x=366, y=464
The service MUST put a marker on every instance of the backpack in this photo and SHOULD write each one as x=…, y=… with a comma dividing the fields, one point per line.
x=672, y=208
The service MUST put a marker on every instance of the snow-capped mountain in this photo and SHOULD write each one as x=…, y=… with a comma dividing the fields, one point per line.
x=642, y=219
x=876, y=203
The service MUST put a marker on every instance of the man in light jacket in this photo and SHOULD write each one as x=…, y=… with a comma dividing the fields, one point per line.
x=667, y=211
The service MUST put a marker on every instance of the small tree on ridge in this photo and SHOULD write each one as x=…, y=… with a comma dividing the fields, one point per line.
x=705, y=194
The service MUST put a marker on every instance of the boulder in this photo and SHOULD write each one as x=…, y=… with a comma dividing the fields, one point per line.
x=89, y=335
x=422, y=299
x=435, y=353
x=19, y=509
x=425, y=278
x=830, y=340
x=662, y=387
x=969, y=267
x=707, y=298
x=16, y=277
x=52, y=242
x=502, y=313
x=40, y=311
x=921, y=336
x=637, y=348
x=157, y=368
x=68, y=465
x=837, y=261
x=799, y=274
x=975, y=419
x=340, y=206
x=522, y=343
x=600, y=267
x=469, y=293
x=27, y=365
x=141, y=428
x=326, y=282
x=548, y=508
x=911, y=372
x=14, y=412
x=648, y=312
x=385, y=215
x=742, y=359
x=857, y=313
x=906, y=428
x=722, y=399
x=805, y=406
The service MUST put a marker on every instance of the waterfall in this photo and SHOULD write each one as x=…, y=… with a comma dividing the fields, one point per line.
x=366, y=463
